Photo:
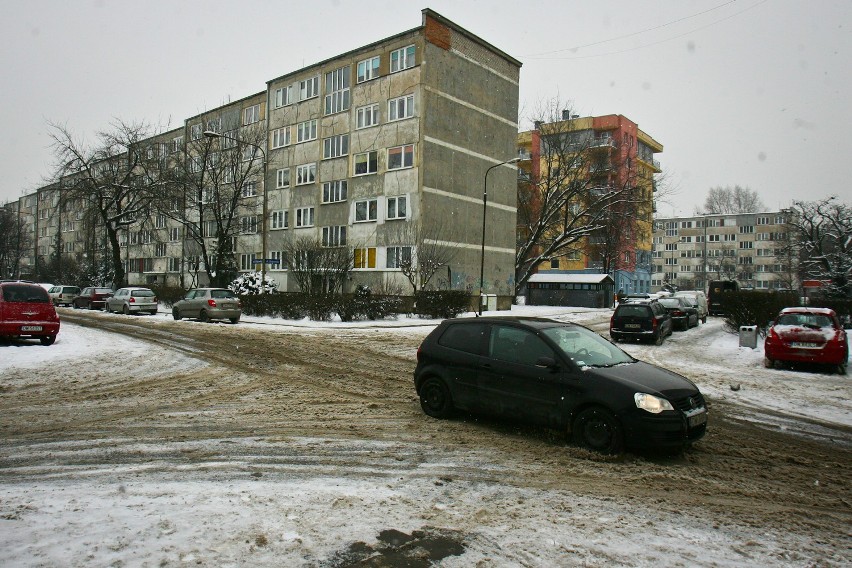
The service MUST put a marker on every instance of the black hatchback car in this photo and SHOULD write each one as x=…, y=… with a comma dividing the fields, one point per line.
x=558, y=375
x=645, y=320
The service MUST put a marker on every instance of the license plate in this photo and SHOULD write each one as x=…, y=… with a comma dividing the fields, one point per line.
x=633, y=325
x=697, y=419
x=804, y=345
x=30, y=328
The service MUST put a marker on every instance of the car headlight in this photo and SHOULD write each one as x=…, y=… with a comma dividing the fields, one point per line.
x=651, y=403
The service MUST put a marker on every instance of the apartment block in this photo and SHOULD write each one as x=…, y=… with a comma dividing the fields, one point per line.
x=753, y=249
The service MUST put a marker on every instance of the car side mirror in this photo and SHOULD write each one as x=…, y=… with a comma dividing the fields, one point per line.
x=546, y=362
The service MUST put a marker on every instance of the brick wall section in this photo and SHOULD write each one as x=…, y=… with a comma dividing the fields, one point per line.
x=437, y=33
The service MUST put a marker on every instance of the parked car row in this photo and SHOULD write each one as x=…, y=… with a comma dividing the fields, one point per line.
x=653, y=317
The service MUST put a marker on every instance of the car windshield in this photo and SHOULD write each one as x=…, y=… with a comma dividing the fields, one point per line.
x=586, y=348
x=805, y=320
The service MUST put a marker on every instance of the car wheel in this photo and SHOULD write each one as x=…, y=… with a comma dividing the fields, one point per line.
x=841, y=369
x=660, y=338
x=598, y=429
x=203, y=317
x=47, y=339
x=235, y=320
x=435, y=399
x=704, y=319
x=125, y=310
x=176, y=314
x=768, y=363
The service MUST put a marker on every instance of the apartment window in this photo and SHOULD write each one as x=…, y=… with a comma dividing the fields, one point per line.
x=160, y=222
x=214, y=125
x=335, y=146
x=173, y=264
x=746, y=260
x=366, y=210
x=281, y=137
x=283, y=96
x=247, y=261
x=230, y=139
x=249, y=189
x=306, y=131
x=402, y=59
x=334, y=236
x=279, y=256
x=334, y=191
x=713, y=238
x=746, y=229
x=364, y=258
x=305, y=217
x=177, y=144
x=306, y=174
x=402, y=107
x=746, y=244
x=366, y=116
x=366, y=163
x=195, y=164
x=762, y=221
x=249, y=152
x=251, y=114
x=337, y=90
x=248, y=224
x=282, y=178
x=160, y=249
x=729, y=238
x=780, y=219
x=401, y=157
x=671, y=246
x=228, y=175
x=397, y=207
x=368, y=69
x=309, y=88
x=683, y=224
x=398, y=257
x=195, y=131
x=174, y=234
x=280, y=219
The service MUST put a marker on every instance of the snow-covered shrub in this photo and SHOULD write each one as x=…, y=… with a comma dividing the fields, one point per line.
x=249, y=283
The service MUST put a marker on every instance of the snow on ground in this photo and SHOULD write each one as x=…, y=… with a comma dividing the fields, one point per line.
x=134, y=516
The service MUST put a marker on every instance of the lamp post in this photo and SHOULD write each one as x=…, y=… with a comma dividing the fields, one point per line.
x=265, y=202
x=484, y=215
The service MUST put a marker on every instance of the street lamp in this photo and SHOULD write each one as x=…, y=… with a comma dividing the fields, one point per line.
x=214, y=134
x=484, y=211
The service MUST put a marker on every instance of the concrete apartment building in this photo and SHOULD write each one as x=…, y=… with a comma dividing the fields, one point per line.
x=751, y=248
x=382, y=148
x=620, y=157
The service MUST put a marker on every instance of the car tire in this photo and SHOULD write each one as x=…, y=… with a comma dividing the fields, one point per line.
x=661, y=337
x=841, y=369
x=203, y=317
x=704, y=319
x=176, y=315
x=768, y=363
x=597, y=429
x=435, y=398
x=47, y=340
x=125, y=310
x=235, y=320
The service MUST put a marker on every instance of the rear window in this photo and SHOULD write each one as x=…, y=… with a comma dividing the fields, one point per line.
x=222, y=294
x=142, y=294
x=466, y=337
x=103, y=290
x=70, y=290
x=670, y=302
x=805, y=320
x=18, y=293
x=633, y=311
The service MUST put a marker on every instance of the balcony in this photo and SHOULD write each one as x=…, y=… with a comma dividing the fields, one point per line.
x=605, y=141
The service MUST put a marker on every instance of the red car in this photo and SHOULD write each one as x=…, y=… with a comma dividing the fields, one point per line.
x=27, y=311
x=807, y=335
x=92, y=298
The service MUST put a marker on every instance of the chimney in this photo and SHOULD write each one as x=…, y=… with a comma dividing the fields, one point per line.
x=566, y=114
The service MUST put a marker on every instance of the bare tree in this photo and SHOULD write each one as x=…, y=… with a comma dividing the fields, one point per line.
x=110, y=177
x=425, y=250
x=577, y=189
x=824, y=230
x=14, y=241
x=317, y=269
x=732, y=200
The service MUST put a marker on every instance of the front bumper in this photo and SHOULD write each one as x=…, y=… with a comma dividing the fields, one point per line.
x=668, y=430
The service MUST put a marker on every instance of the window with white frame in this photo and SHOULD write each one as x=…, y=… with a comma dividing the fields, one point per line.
x=368, y=69
x=366, y=163
x=160, y=222
x=195, y=131
x=334, y=236
x=249, y=152
x=251, y=114
x=397, y=207
x=283, y=96
x=399, y=108
x=364, y=258
x=305, y=217
x=228, y=175
x=249, y=189
x=309, y=88
x=174, y=234
x=746, y=229
x=337, y=90
x=177, y=144
x=173, y=264
x=195, y=164
x=762, y=221
x=282, y=178
x=746, y=245
x=729, y=238
x=335, y=146
x=279, y=256
x=398, y=257
x=280, y=219
x=367, y=116
x=247, y=260
x=306, y=131
x=281, y=137
x=334, y=191
x=214, y=125
x=366, y=210
x=160, y=249
x=248, y=224
x=230, y=139
x=306, y=174
x=401, y=157
x=402, y=58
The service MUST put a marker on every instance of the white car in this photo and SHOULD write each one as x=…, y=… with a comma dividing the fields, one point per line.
x=132, y=301
x=698, y=300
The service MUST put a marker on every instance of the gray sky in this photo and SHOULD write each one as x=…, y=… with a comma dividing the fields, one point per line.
x=747, y=92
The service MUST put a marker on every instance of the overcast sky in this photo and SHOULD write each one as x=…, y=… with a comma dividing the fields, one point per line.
x=740, y=92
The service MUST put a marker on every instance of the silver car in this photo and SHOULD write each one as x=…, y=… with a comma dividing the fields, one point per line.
x=132, y=301
x=207, y=304
x=63, y=295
